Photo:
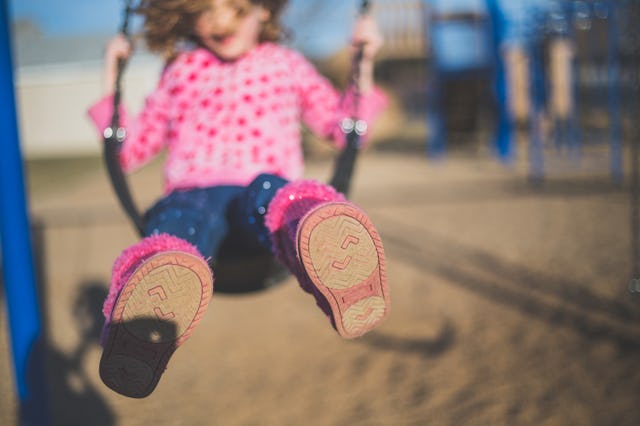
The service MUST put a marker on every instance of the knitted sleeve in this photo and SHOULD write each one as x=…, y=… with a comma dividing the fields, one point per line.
x=146, y=134
x=324, y=108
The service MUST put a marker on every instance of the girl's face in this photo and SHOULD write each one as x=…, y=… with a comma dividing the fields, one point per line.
x=231, y=28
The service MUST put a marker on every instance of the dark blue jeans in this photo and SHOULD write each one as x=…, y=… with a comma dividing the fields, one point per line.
x=207, y=216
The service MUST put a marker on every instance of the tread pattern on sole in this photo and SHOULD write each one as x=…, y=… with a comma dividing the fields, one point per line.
x=156, y=311
x=342, y=253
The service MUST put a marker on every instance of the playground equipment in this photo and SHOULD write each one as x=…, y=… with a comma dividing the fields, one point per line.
x=461, y=53
x=574, y=53
x=552, y=67
x=588, y=80
x=17, y=259
x=599, y=68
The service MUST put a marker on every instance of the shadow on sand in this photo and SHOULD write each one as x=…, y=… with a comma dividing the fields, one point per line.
x=73, y=397
x=426, y=347
x=558, y=301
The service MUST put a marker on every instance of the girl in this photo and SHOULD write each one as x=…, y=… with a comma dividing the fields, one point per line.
x=227, y=108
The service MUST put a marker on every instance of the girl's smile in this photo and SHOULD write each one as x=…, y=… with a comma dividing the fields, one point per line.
x=231, y=28
x=223, y=39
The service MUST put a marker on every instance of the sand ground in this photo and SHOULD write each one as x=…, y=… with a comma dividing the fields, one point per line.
x=509, y=306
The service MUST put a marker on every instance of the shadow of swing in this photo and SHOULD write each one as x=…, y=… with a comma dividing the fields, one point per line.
x=73, y=397
x=57, y=379
x=426, y=347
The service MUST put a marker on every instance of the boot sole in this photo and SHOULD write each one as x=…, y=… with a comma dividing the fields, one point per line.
x=342, y=254
x=156, y=312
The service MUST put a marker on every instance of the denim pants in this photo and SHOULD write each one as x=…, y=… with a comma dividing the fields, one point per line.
x=205, y=217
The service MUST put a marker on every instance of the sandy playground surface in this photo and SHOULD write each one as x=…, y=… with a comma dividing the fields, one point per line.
x=509, y=306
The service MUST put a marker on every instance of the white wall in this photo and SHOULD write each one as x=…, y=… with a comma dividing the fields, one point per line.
x=53, y=100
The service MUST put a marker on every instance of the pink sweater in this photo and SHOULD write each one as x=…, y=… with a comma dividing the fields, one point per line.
x=223, y=123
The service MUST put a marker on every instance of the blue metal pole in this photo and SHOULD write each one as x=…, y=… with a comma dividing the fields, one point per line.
x=503, y=143
x=536, y=149
x=436, y=139
x=574, y=130
x=17, y=258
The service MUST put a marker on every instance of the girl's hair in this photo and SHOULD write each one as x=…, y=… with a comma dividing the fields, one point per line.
x=168, y=23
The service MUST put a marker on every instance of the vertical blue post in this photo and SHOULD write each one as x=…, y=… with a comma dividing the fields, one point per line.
x=436, y=145
x=503, y=144
x=436, y=139
x=574, y=133
x=17, y=258
x=536, y=149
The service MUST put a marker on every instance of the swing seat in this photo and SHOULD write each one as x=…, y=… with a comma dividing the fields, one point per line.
x=239, y=269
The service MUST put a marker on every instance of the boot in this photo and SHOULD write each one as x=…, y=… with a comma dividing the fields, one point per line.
x=335, y=252
x=160, y=289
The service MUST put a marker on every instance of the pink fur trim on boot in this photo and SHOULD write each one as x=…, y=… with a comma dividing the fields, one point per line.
x=131, y=257
x=292, y=201
x=311, y=191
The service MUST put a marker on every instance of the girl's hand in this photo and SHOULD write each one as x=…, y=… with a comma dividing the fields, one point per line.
x=367, y=35
x=119, y=47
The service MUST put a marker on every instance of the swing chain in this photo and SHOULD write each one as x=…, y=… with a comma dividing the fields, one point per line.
x=115, y=134
x=353, y=127
x=360, y=126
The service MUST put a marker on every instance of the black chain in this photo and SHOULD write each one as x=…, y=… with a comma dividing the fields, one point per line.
x=345, y=162
x=115, y=135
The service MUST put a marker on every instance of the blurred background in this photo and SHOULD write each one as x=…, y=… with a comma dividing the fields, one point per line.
x=503, y=179
x=466, y=72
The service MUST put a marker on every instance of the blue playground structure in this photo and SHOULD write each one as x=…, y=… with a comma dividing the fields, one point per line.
x=472, y=42
x=595, y=85
x=461, y=53
x=17, y=258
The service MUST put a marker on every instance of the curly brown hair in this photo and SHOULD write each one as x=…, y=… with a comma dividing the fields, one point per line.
x=167, y=23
